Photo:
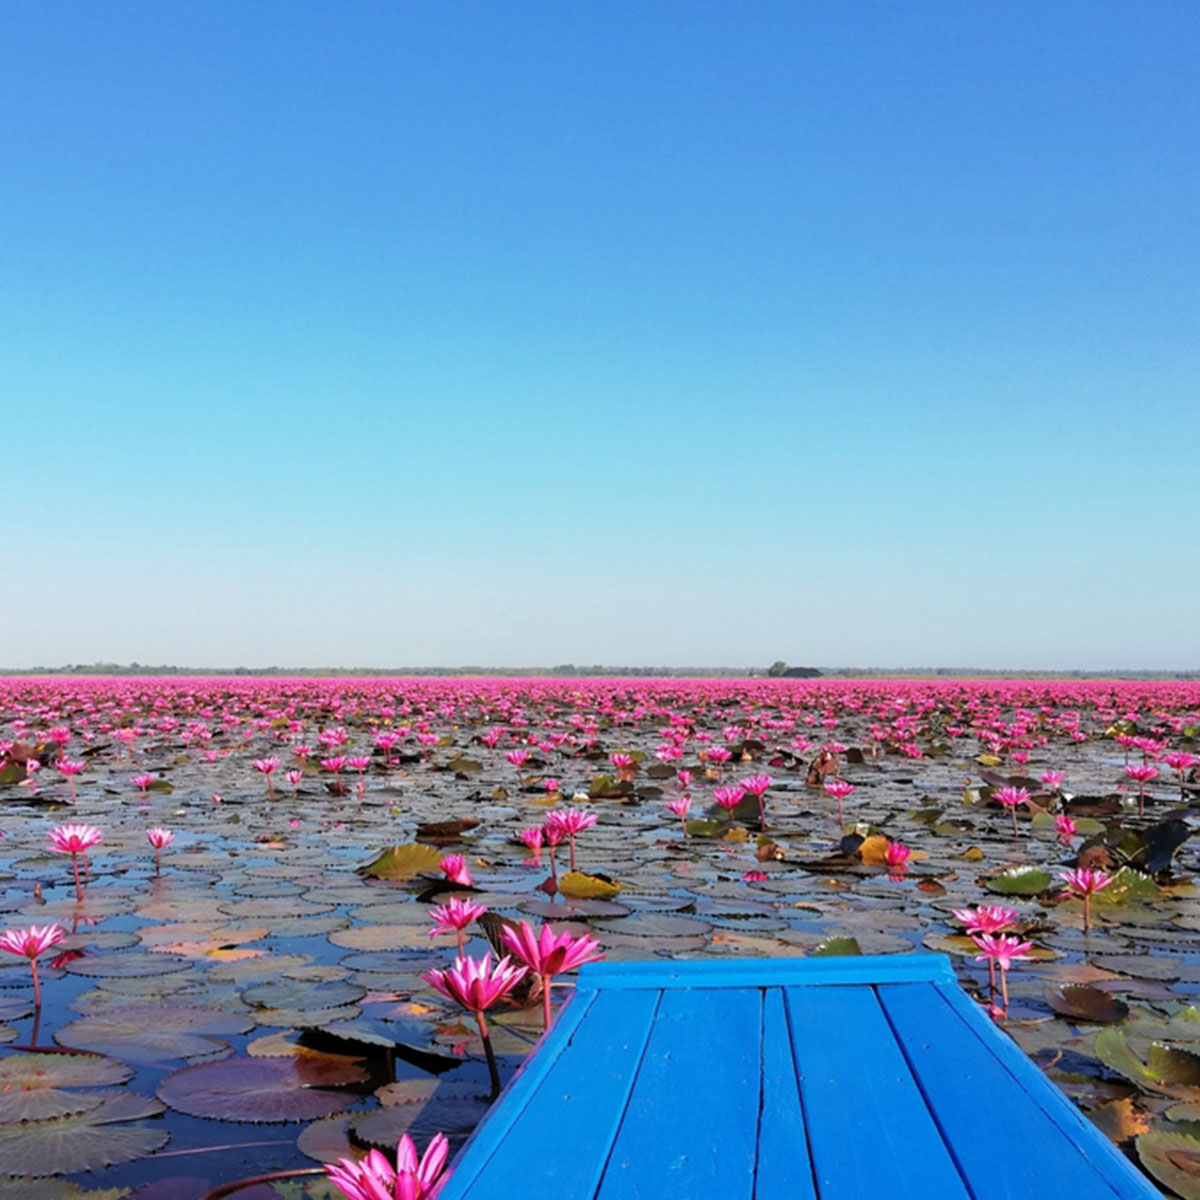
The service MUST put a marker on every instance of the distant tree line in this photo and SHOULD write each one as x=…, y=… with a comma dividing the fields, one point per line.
x=777, y=670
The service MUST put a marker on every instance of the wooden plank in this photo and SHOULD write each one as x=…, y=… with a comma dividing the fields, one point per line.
x=691, y=1129
x=767, y=972
x=869, y=1129
x=783, y=1170
x=558, y=1117
x=1011, y=1128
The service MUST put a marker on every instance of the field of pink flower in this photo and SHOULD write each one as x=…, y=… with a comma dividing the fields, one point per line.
x=261, y=885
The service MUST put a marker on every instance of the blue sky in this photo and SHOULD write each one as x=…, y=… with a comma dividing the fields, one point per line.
x=676, y=333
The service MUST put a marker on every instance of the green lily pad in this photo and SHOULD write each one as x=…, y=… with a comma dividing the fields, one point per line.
x=1083, y=1003
x=1173, y=1159
x=1021, y=881
x=837, y=946
x=404, y=862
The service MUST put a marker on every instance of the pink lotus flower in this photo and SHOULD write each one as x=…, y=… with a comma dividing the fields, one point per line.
x=374, y=1178
x=897, y=856
x=267, y=766
x=571, y=821
x=359, y=763
x=476, y=985
x=839, y=789
x=454, y=867
x=294, y=777
x=1053, y=779
x=70, y=768
x=1011, y=798
x=548, y=955
x=718, y=755
x=680, y=806
x=1086, y=884
x=1001, y=950
x=728, y=797
x=142, y=782
x=159, y=838
x=74, y=840
x=29, y=943
x=454, y=916
x=531, y=838
x=621, y=761
x=1143, y=773
x=987, y=918
x=758, y=786
x=755, y=876
x=1066, y=829
x=335, y=763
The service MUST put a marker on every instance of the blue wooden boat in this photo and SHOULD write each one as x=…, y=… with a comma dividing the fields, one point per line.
x=783, y=1079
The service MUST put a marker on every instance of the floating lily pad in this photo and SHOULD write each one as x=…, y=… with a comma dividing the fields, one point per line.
x=837, y=946
x=412, y=1106
x=127, y=964
x=31, y=1084
x=404, y=862
x=84, y=1141
x=583, y=886
x=148, y=1034
x=1089, y=1004
x=1021, y=881
x=55, y=1189
x=266, y=1090
x=1173, y=1159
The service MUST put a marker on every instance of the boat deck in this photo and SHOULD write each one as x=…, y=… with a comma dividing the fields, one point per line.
x=781, y=1079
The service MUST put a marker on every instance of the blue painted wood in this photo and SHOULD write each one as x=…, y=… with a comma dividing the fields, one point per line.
x=767, y=972
x=783, y=1170
x=869, y=1129
x=691, y=1128
x=560, y=1121
x=785, y=1079
x=1000, y=1132
x=1120, y=1174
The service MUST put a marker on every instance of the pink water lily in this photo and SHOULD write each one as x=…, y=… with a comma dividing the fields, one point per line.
x=1012, y=798
x=548, y=954
x=571, y=821
x=1142, y=773
x=29, y=943
x=839, y=789
x=1001, y=950
x=476, y=985
x=1085, y=884
x=454, y=916
x=680, y=806
x=74, y=840
x=158, y=838
x=374, y=1178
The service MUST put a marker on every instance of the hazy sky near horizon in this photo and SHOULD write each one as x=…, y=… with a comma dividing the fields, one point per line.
x=361, y=333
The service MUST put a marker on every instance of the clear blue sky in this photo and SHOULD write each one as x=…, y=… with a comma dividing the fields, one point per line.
x=652, y=332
